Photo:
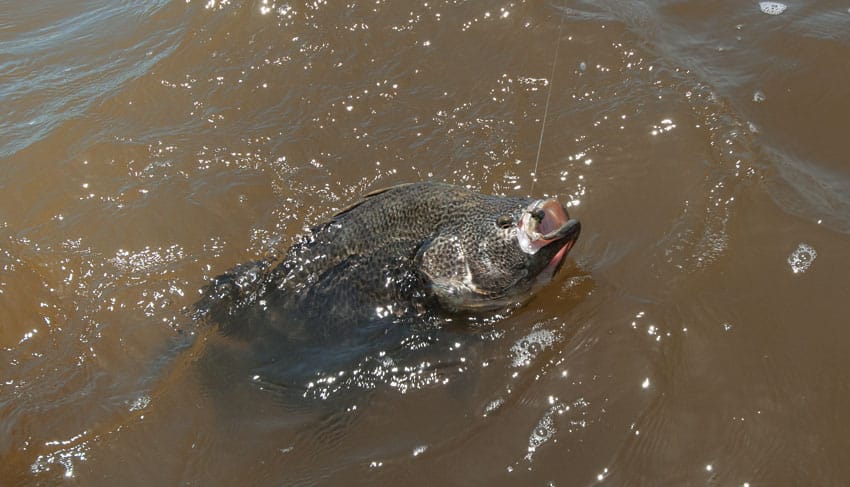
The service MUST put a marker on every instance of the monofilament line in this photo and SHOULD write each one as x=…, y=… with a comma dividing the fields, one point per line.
x=546, y=107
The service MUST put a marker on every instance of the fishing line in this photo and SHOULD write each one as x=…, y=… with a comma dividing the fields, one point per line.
x=546, y=108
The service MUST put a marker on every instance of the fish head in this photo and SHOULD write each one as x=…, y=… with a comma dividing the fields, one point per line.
x=498, y=252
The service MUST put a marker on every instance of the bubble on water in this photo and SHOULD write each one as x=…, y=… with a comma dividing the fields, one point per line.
x=801, y=258
x=759, y=97
x=542, y=432
x=528, y=347
x=772, y=8
x=140, y=403
x=493, y=405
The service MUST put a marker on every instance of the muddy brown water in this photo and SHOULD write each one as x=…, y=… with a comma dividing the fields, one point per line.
x=698, y=334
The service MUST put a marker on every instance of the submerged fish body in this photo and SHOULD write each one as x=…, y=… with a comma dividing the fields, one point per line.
x=410, y=249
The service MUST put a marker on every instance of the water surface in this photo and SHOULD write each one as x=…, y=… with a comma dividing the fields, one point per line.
x=697, y=334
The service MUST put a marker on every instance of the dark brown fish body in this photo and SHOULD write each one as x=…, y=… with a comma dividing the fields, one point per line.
x=415, y=247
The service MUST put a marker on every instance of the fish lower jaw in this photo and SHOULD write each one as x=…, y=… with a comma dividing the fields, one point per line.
x=548, y=273
x=556, y=261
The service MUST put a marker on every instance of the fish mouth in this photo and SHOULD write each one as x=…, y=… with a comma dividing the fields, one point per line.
x=545, y=224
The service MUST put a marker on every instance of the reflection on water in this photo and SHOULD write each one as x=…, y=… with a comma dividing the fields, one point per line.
x=696, y=334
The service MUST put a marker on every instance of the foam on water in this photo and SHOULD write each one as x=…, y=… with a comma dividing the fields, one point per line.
x=802, y=258
x=772, y=8
x=542, y=432
x=526, y=348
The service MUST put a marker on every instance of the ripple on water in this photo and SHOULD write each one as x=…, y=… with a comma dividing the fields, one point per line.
x=700, y=236
x=78, y=63
x=809, y=191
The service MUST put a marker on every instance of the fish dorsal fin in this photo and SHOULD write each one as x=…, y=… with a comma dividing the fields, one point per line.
x=366, y=197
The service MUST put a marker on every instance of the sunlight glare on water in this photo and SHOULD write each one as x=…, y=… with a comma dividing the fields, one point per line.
x=149, y=147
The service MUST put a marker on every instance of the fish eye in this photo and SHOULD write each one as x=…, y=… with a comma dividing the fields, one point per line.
x=505, y=221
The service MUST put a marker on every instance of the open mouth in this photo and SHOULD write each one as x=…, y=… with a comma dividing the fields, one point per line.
x=545, y=223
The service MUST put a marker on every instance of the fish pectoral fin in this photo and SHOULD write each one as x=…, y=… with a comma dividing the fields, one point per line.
x=443, y=261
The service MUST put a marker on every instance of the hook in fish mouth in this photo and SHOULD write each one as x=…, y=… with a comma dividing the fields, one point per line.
x=546, y=222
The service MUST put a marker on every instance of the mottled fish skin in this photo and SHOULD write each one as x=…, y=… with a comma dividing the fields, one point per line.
x=408, y=249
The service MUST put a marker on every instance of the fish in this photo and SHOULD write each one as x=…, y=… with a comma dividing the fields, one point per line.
x=407, y=250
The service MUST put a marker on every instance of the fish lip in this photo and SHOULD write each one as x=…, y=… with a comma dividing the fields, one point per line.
x=569, y=231
x=535, y=233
